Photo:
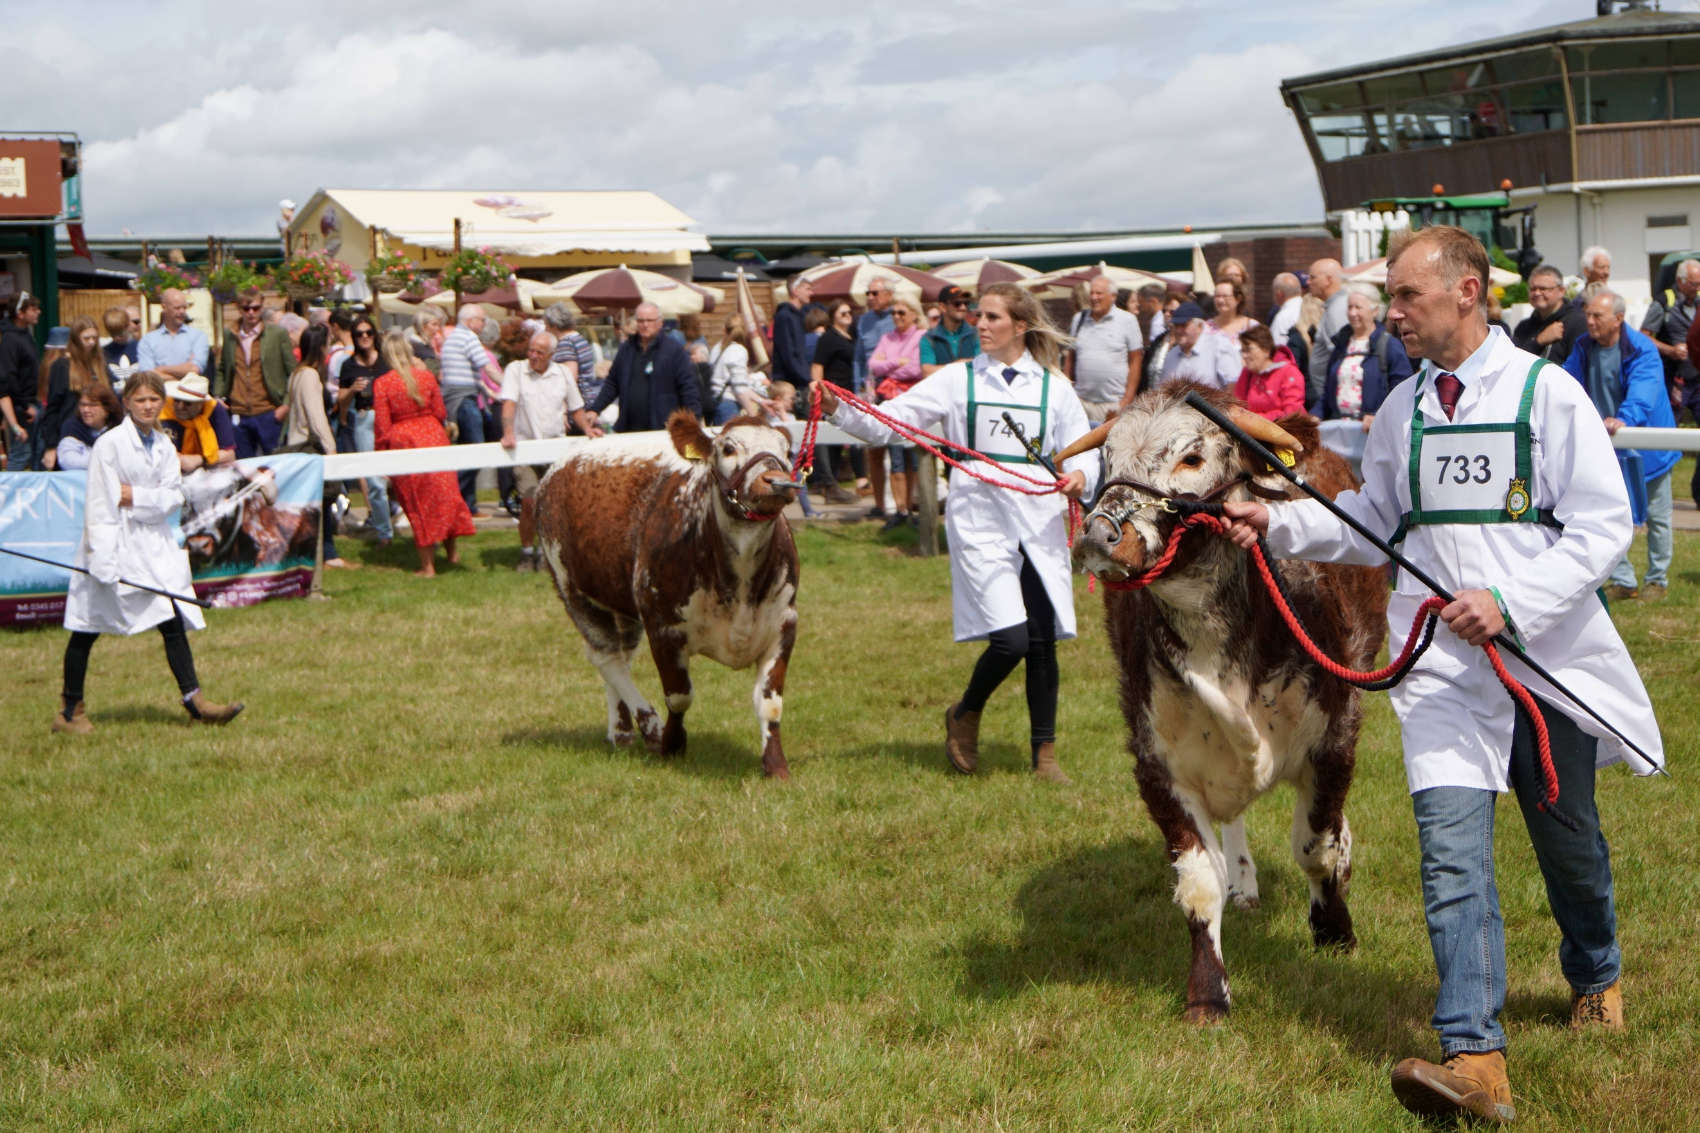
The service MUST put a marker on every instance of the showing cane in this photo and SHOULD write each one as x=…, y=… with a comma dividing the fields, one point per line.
x=121, y=581
x=1032, y=447
x=1227, y=425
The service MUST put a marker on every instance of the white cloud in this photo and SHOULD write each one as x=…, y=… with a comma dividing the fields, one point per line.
x=758, y=116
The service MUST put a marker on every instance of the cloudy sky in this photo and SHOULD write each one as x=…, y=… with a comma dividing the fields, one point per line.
x=750, y=116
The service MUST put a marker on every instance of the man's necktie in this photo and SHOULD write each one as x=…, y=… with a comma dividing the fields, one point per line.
x=1448, y=387
x=1009, y=373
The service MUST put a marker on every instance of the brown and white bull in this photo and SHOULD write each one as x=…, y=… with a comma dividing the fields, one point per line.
x=1221, y=703
x=678, y=537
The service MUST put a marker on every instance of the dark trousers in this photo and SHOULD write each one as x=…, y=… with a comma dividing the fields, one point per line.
x=177, y=655
x=256, y=434
x=1033, y=641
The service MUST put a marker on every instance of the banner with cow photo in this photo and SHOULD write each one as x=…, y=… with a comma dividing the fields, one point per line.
x=251, y=530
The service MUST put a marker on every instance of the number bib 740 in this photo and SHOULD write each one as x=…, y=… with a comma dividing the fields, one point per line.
x=992, y=435
x=1466, y=470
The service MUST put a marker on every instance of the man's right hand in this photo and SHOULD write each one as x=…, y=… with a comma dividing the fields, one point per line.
x=1551, y=333
x=828, y=401
x=1247, y=522
x=509, y=440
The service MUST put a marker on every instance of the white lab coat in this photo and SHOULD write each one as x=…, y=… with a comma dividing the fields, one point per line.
x=135, y=543
x=988, y=526
x=1455, y=716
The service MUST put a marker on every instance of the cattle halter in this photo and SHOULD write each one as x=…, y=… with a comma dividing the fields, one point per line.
x=731, y=490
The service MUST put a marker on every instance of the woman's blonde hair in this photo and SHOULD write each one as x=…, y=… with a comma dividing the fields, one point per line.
x=1042, y=339
x=144, y=380
x=88, y=367
x=734, y=332
x=400, y=357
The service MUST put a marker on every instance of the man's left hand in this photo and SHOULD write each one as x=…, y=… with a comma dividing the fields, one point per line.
x=1474, y=616
x=1613, y=425
x=1073, y=484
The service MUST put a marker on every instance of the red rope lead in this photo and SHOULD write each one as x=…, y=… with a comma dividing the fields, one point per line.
x=936, y=445
x=1429, y=610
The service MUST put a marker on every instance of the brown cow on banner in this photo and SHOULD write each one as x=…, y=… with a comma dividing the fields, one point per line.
x=1221, y=702
x=678, y=537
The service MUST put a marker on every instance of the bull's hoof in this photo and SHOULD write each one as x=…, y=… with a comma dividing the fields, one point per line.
x=1245, y=900
x=622, y=739
x=1209, y=1014
x=782, y=771
x=650, y=725
x=672, y=738
x=1331, y=928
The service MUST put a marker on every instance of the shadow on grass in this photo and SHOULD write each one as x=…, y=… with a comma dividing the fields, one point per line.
x=1105, y=915
x=706, y=755
x=138, y=714
x=995, y=758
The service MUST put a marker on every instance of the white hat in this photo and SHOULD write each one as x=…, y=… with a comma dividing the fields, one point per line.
x=286, y=203
x=193, y=387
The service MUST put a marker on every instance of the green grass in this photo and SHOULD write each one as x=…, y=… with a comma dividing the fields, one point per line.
x=412, y=887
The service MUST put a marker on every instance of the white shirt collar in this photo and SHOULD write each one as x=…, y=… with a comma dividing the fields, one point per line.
x=1487, y=358
x=1026, y=366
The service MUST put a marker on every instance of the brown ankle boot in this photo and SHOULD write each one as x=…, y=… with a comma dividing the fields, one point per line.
x=203, y=711
x=1602, y=1009
x=1468, y=1083
x=1045, y=765
x=75, y=723
x=962, y=740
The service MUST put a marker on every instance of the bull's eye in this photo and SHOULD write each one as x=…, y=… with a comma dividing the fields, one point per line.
x=1192, y=460
x=727, y=447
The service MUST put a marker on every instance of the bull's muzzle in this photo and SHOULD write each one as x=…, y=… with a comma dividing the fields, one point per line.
x=1111, y=548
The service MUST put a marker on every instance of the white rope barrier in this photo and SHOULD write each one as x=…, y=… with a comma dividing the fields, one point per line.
x=457, y=458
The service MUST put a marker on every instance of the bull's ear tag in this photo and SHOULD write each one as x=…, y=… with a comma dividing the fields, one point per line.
x=1285, y=455
x=694, y=452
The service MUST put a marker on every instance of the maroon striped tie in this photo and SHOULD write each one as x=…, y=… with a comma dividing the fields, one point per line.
x=1448, y=387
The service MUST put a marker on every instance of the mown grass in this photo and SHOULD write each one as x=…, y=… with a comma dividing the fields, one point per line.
x=413, y=888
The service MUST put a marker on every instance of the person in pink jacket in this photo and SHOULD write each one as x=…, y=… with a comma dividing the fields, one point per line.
x=1271, y=385
x=894, y=366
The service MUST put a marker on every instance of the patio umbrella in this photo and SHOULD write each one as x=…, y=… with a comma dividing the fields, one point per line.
x=623, y=288
x=1202, y=280
x=1375, y=271
x=754, y=320
x=849, y=280
x=520, y=295
x=972, y=275
x=1060, y=284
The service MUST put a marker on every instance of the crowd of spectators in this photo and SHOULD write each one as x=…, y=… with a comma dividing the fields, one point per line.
x=282, y=381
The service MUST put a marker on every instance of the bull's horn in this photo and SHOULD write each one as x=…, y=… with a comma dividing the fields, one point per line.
x=1263, y=429
x=1092, y=440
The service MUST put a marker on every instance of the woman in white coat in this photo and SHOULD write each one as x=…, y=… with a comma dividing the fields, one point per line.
x=134, y=490
x=1009, y=557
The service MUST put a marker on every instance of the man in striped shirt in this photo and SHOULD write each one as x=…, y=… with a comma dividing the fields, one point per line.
x=573, y=346
x=466, y=364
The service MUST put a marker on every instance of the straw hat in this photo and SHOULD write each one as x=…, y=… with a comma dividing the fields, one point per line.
x=192, y=387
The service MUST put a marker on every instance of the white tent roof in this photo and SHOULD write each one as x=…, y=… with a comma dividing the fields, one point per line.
x=520, y=223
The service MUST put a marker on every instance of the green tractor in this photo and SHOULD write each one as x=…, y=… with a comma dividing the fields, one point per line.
x=1507, y=233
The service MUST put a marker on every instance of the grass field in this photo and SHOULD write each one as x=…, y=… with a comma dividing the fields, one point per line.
x=413, y=888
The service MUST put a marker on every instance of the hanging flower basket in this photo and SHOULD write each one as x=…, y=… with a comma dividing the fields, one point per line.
x=230, y=279
x=161, y=278
x=311, y=275
x=393, y=273
x=475, y=270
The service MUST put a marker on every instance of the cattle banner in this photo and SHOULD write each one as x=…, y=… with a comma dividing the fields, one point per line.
x=251, y=530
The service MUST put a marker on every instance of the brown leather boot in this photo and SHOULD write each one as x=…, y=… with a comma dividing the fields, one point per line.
x=1472, y=1084
x=1045, y=765
x=962, y=740
x=203, y=711
x=1602, y=1009
x=75, y=723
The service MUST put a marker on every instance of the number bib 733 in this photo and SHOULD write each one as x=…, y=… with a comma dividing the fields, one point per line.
x=1465, y=470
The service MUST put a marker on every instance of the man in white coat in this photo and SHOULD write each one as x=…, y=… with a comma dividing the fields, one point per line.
x=1512, y=500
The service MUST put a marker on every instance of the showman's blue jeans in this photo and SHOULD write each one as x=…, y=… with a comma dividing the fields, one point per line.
x=1461, y=901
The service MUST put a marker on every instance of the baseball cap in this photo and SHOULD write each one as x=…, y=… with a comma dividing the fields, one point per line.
x=952, y=294
x=1185, y=313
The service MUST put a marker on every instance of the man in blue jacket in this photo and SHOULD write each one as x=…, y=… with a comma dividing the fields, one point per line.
x=651, y=376
x=1625, y=380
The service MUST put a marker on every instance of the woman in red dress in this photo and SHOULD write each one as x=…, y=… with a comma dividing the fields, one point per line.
x=410, y=415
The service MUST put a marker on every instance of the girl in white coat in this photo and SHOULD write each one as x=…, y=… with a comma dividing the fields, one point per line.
x=134, y=490
x=1009, y=557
